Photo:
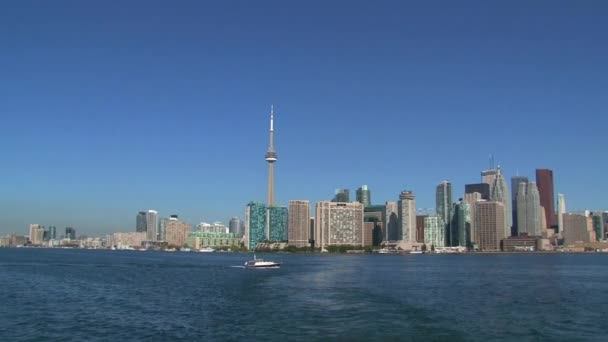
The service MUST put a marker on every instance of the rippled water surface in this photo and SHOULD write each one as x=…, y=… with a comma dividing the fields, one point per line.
x=78, y=295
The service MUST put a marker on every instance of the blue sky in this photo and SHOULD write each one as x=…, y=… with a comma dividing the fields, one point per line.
x=109, y=108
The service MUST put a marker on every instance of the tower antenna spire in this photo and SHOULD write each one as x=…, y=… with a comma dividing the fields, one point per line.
x=271, y=158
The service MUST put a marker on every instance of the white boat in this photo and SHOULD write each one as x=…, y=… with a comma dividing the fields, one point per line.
x=416, y=252
x=259, y=263
x=206, y=250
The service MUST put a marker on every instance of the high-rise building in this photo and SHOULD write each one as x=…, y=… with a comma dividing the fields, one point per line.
x=235, y=226
x=434, y=231
x=544, y=181
x=561, y=210
x=489, y=176
x=338, y=223
x=529, y=209
x=176, y=232
x=393, y=231
x=140, y=222
x=482, y=188
x=515, y=181
x=420, y=227
x=605, y=219
x=152, y=225
x=161, y=232
x=312, y=232
x=598, y=225
x=271, y=158
x=277, y=223
x=407, y=216
x=299, y=223
x=70, y=233
x=368, y=232
x=499, y=192
x=577, y=228
x=341, y=195
x=52, y=232
x=36, y=234
x=460, y=233
x=443, y=207
x=472, y=199
x=376, y=214
x=364, y=196
x=255, y=224
x=490, y=224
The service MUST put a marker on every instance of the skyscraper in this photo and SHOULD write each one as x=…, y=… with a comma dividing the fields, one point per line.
x=393, y=231
x=515, y=181
x=161, y=232
x=52, y=232
x=338, y=223
x=472, y=199
x=460, y=233
x=407, y=216
x=299, y=223
x=70, y=233
x=277, y=223
x=152, y=225
x=35, y=236
x=420, y=227
x=490, y=223
x=598, y=225
x=443, y=207
x=376, y=214
x=482, y=188
x=364, y=196
x=140, y=224
x=434, y=231
x=235, y=226
x=489, y=176
x=561, y=210
x=544, y=181
x=271, y=158
x=499, y=192
x=605, y=219
x=341, y=195
x=528, y=209
x=255, y=224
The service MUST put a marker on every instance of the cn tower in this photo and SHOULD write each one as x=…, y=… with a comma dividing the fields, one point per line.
x=271, y=157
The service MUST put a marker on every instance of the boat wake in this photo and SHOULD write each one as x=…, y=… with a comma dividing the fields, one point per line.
x=238, y=266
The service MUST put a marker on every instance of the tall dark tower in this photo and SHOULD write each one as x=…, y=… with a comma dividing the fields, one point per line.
x=544, y=181
x=271, y=158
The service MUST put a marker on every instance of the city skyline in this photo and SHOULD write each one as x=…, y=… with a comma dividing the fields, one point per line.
x=88, y=106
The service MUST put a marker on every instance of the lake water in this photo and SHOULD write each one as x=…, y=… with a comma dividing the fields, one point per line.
x=78, y=295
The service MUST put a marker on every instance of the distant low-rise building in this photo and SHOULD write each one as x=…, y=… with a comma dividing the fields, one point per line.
x=198, y=240
x=128, y=240
x=522, y=243
x=215, y=227
x=17, y=240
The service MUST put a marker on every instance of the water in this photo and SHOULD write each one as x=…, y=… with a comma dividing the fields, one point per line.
x=77, y=295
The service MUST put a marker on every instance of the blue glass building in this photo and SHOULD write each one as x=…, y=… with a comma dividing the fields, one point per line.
x=255, y=224
x=277, y=223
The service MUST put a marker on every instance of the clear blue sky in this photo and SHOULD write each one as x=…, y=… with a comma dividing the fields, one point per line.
x=111, y=107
